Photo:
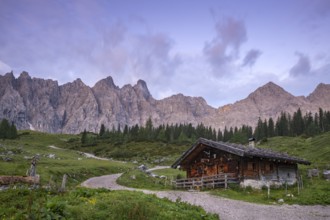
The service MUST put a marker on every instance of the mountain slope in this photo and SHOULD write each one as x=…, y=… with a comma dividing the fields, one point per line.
x=33, y=103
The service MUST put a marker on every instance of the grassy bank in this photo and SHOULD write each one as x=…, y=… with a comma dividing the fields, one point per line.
x=141, y=180
x=100, y=204
x=315, y=192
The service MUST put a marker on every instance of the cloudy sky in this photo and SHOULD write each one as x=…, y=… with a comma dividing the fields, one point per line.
x=220, y=50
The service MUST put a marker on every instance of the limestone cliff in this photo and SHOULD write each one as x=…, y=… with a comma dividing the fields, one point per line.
x=43, y=105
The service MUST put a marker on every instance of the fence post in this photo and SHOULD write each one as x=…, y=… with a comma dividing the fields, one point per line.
x=225, y=181
x=268, y=190
x=62, y=189
x=202, y=182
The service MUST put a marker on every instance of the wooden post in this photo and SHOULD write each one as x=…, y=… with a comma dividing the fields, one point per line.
x=62, y=189
x=202, y=182
x=286, y=187
x=259, y=169
x=226, y=181
x=268, y=190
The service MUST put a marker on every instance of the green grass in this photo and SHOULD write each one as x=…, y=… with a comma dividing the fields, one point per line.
x=315, y=191
x=76, y=166
x=170, y=173
x=83, y=203
x=315, y=149
x=149, y=153
x=138, y=179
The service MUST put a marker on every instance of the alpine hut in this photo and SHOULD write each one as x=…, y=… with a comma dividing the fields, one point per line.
x=214, y=164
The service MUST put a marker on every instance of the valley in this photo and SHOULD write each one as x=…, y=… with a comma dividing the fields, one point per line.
x=58, y=156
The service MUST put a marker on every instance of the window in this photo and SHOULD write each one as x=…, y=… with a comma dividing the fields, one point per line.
x=252, y=166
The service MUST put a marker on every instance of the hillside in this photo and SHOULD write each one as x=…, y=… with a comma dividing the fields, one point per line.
x=43, y=105
x=314, y=149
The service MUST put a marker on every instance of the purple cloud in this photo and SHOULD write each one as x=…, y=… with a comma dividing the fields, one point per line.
x=224, y=48
x=302, y=67
x=251, y=57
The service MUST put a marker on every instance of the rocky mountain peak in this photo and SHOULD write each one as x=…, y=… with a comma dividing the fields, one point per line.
x=9, y=75
x=24, y=75
x=8, y=78
x=321, y=90
x=270, y=90
x=142, y=88
x=105, y=83
x=321, y=95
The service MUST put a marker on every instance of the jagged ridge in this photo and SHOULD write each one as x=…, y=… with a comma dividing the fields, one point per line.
x=33, y=103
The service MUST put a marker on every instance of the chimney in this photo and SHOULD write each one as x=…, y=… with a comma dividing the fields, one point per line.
x=251, y=142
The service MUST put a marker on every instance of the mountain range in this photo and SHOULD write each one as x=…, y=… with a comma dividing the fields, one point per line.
x=44, y=105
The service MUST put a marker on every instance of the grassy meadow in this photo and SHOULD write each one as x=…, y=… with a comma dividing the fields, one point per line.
x=20, y=202
x=53, y=163
x=81, y=203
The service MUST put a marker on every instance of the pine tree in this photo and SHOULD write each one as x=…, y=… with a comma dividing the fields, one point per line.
x=12, y=132
x=282, y=125
x=219, y=136
x=321, y=116
x=271, y=128
x=4, y=129
x=297, y=123
x=84, y=138
x=102, y=130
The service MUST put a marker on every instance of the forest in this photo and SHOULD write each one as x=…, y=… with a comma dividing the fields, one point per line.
x=286, y=125
x=7, y=131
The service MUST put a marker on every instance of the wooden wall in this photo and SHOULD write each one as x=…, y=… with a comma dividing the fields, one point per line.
x=212, y=162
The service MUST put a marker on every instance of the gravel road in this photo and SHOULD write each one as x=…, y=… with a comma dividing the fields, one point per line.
x=226, y=208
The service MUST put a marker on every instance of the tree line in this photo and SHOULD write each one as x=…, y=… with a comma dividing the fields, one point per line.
x=294, y=125
x=285, y=125
x=7, y=130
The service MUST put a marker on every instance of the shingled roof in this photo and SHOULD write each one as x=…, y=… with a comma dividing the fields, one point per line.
x=240, y=150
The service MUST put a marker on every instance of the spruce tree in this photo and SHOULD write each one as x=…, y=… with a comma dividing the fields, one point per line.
x=102, y=130
x=4, y=129
x=84, y=138
x=271, y=128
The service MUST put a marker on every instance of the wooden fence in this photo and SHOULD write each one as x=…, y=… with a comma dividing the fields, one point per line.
x=216, y=181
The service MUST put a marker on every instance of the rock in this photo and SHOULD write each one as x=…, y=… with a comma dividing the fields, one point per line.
x=10, y=153
x=312, y=173
x=326, y=174
x=43, y=105
x=143, y=167
x=153, y=175
x=7, y=159
x=51, y=156
x=280, y=201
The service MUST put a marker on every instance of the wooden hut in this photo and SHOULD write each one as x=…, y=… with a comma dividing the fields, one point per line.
x=210, y=163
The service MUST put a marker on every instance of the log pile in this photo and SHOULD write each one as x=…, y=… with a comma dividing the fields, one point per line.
x=7, y=180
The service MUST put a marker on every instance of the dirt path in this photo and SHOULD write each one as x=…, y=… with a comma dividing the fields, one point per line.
x=87, y=155
x=226, y=208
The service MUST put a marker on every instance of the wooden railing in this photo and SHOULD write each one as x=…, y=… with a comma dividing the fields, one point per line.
x=216, y=181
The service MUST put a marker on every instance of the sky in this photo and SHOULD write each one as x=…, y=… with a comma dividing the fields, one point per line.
x=216, y=49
